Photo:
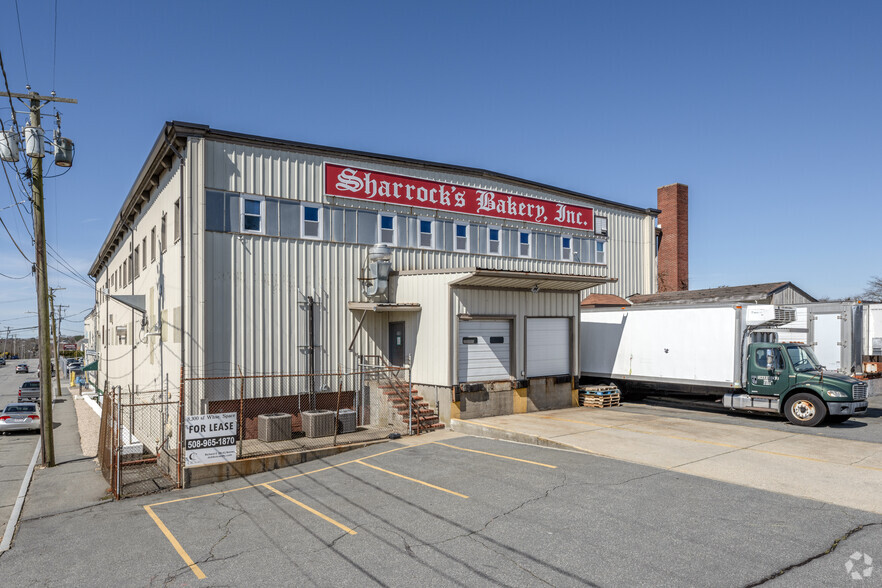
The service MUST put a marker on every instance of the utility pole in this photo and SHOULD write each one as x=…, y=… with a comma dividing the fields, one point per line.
x=52, y=292
x=35, y=103
x=6, y=340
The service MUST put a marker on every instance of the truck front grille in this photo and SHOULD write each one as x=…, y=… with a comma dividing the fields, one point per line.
x=859, y=391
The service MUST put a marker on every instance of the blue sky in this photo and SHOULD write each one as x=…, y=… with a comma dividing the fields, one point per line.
x=769, y=111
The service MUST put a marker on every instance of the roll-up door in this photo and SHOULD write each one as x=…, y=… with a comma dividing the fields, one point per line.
x=548, y=347
x=484, y=350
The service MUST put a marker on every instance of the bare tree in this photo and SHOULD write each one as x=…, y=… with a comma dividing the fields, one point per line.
x=874, y=289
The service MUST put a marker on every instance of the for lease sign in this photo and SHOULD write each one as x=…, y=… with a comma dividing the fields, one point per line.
x=353, y=182
x=209, y=438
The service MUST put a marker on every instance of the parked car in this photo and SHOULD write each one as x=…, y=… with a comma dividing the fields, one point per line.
x=29, y=391
x=2, y=361
x=19, y=416
x=21, y=368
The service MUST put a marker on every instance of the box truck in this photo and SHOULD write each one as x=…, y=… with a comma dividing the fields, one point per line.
x=728, y=350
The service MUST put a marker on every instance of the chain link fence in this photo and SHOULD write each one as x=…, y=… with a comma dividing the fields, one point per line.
x=138, y=441
x=302, y=412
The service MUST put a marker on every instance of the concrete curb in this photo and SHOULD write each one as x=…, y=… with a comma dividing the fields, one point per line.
x=19, y=502
x=482, y=430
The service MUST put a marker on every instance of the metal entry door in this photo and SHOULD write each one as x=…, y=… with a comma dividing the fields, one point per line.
x=396, y=343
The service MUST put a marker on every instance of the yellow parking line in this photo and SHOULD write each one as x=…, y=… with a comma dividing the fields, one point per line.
x=187, y=559
x=413, y=479
x=312, y=510
x=544, y=465
x=286, y=478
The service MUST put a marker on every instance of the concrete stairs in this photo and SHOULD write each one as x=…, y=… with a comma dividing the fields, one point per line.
x=424, y=419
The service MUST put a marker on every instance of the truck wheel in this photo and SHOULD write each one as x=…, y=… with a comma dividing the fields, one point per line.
x=805, y=410
x=838, y=418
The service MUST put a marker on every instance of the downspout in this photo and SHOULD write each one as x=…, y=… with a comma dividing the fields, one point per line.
x=183, y=258
x=132, y=264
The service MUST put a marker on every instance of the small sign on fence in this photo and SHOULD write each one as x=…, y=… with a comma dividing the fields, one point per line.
x=210, y=438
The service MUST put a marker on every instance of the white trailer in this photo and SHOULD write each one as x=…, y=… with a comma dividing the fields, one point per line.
x=682, y=348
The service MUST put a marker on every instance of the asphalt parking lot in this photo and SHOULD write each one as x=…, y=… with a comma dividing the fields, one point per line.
x=461, y=511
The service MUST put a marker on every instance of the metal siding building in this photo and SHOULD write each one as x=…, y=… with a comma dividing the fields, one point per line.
x=232, y=297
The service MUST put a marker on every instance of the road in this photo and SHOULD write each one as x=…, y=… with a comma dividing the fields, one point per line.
x=17, y=449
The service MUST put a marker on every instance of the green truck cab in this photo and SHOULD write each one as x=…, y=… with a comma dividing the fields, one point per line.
x=788, y=379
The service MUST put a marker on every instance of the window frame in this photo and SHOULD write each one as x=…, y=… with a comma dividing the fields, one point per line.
x=600, y=252
x=432, y=232
x=144, y=253
x=320, y=221
x=177, y=220
x=597, y=222
x=468, y=239
x=153, y=244
x=243, y=214
x=529, y=243
x=163, y=233
x=498, y=240
x=136, y=266
x=565, y=249
x=380, y=228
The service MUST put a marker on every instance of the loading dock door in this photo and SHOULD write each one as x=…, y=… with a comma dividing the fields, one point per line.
x=549, y=347
x=484, y=351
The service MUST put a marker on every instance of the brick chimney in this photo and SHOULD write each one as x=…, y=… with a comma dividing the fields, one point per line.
x=673, y=248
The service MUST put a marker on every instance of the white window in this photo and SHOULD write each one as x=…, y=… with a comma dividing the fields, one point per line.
x=600, y=225
x=177, y=219
x=162, y=241
x=566, y=248
x=524, y=243
x=494, y=240
x=252, y=215
x=601, y=253
x=427, y=234
x=387, y=229
x=460, y=237
x=311, y=226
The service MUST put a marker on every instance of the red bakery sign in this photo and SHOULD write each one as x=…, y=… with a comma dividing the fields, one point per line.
x=351, y=182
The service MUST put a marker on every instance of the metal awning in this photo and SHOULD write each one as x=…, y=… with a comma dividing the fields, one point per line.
x=92, y=367
x=366, y=307
x=531, y=281
x=385, y=306
x=135, y=301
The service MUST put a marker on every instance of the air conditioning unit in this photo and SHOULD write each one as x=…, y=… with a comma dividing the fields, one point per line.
x=274, y=427
x=318, y=423
x=346, y=420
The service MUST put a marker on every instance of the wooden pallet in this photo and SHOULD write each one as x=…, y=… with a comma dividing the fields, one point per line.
x=600, y=401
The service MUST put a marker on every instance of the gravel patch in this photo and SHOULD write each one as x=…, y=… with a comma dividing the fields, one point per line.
x=89, y=423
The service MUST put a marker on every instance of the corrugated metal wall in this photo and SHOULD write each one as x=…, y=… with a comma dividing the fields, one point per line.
x=519, y=305
x=116, y=364
x=252, y=317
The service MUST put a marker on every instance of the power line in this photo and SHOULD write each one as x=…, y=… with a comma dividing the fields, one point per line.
x=13, y=241
x=15, y=278
x=21, y=39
